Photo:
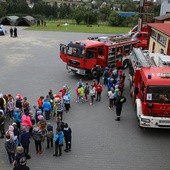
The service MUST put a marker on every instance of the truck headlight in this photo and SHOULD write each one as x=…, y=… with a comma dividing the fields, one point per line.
x=145, y=120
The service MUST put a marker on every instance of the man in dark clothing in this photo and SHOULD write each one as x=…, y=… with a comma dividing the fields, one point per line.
x=11, y=32
x=119, y=102
x=98, y=73
x=22, y=164
x=67, y=136
x=15, y=32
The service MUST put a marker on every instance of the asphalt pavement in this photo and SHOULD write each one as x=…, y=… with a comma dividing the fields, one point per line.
x=30, y=65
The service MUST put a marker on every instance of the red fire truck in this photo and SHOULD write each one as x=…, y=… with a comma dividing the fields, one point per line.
x=81, y=57
x=150, y=90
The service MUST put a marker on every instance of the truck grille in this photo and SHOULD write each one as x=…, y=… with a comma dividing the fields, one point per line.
x=73, y=62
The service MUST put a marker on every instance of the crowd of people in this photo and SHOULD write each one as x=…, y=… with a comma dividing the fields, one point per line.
x=28, y=124
x=113, y=79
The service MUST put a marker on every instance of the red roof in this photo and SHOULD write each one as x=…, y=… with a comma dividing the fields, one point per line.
x=162, y=27
x=156, y=76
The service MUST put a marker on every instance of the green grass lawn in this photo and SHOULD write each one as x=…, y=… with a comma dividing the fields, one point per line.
x=71, y=27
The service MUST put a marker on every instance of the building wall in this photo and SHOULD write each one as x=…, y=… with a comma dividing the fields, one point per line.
x=158, y=45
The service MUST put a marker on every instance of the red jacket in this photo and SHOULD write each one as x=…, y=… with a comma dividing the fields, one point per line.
x=99, y=88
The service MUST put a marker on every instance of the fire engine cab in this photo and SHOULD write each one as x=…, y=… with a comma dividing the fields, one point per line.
x=150, y=90
x=81, y=57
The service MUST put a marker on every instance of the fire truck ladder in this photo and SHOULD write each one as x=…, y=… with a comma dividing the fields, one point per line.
x=142, y=60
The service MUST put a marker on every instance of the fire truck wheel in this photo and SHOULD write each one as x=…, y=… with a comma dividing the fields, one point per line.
x=94, y=74
x=125, y=63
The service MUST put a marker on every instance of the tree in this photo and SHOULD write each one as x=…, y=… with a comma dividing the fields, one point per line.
x=115, y=19
x=90, y=17
x=78, y=16
x=104, y=13
x=3, y=9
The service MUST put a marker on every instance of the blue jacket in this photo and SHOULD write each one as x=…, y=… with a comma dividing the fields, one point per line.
x=66, y=99
x=46, y=106
x=59, y=135
x=17, y=116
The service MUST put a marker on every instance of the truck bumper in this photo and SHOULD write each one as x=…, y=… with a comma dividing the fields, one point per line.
x=76, y=70
x=154, y=122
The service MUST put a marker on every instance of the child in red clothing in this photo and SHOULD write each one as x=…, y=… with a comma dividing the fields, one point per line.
x=99, y=89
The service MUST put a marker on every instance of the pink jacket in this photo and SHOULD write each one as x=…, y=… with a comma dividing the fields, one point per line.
x=26, y=121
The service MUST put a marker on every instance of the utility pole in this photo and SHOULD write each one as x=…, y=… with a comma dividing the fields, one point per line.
x=143, y=11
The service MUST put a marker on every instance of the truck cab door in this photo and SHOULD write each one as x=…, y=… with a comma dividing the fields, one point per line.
x=90, y=59
x=63, y=52
x=101, y=59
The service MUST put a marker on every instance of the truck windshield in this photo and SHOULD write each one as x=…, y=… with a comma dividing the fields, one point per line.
x=75, y=50
x=159, y=94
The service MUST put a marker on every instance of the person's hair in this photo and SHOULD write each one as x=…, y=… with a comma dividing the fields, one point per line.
x=7, y=135
x=66, y=125
x=58, y=129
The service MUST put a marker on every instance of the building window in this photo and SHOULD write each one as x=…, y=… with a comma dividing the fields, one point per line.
x=162, y=40
x=153, y=34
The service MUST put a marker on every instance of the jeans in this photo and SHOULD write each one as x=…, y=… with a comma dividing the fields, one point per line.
x=48, y=142
x=68, y=145
x=58, y=149
x=11, y=157
x=47, y=115
x=38, y=146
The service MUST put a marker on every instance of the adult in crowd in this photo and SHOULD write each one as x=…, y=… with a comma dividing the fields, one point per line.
x=119, y=103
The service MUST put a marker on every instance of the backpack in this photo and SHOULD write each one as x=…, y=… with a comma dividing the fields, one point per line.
x=10, y=146
x=50, y=134
x=86, y=89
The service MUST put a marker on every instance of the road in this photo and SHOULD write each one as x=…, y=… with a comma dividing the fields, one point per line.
x=30, y=65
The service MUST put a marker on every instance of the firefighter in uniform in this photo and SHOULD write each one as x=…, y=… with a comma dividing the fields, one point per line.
x=119, y=103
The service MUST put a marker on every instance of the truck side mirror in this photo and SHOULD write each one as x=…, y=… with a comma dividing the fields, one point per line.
x=136, y=90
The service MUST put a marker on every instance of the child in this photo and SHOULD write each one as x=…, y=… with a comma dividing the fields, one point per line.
x=60, y=110
x=66, y=101
x=67, y=136
x=25, y=140
x=17, y=117
x=92, y=94
x=37, y=136
x=58, y=139
x=86, y=91
x=99, y=89
x=50, y=135
x=56, y=104
x=81, y=93
x=111, y=97
x=10, y=147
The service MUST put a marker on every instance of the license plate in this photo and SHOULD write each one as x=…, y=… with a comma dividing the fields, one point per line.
x=164, y=121
x=72, y=68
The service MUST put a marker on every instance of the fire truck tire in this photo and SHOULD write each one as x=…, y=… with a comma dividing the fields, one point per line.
x=125, y=63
